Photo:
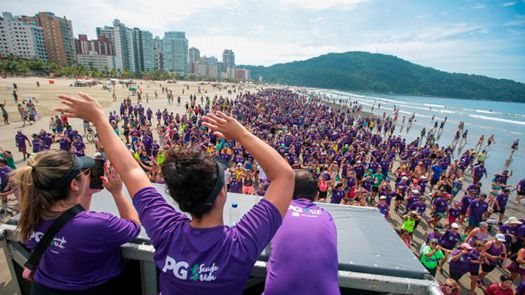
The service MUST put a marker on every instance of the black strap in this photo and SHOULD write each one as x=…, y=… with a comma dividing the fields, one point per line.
x=50, y=234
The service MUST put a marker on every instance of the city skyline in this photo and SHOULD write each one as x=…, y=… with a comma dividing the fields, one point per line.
x=478, y=37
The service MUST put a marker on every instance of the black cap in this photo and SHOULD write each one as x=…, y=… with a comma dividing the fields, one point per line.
x=79, y=164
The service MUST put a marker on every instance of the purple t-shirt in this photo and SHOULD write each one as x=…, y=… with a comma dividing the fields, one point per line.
x=477, y=208
x=296, y=266
x=215, y=260
x=85, y=252
x=449, y=239
x=502, y=200
x=337, y=196
x=462, y=265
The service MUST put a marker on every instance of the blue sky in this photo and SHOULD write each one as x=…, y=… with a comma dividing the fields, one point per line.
x=479, y=37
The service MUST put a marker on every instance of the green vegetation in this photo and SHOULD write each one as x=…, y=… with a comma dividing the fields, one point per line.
x=363, y=71
x=13, y=65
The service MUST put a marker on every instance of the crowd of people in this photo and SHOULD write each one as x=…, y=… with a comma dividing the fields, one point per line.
x=353, y=157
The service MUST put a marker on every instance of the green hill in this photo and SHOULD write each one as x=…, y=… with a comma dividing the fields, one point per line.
x=363, y=71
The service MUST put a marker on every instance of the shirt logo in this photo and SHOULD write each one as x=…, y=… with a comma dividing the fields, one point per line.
x=199, y=272
x=58, y=242
x=298, y=211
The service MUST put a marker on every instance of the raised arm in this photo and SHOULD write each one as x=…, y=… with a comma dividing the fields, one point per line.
x=282, y=176
x=113, y=184
x=87, y=108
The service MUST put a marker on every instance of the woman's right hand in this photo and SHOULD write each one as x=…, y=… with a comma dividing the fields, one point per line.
x=224, y=126
x=85, y=107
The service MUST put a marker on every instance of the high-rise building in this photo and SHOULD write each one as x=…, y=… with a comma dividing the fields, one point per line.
x=158, y=54
x=102, y=45
x=195, y=56
x=20, y=38
x=95, y=61
x=106, y=32
x=143, y=50
x=123, y=44
x=95, y=54
x=58, y=38
x=175, y=51
x=228, y=59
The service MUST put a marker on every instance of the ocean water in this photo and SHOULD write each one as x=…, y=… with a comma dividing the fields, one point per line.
x=506, y=120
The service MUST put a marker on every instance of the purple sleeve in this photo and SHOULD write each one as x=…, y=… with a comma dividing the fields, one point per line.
x=156, y=215
x=257, y=227
x=117, y=231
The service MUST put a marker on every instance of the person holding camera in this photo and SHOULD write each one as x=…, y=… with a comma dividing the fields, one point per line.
x=84, y=255
x=197, y=255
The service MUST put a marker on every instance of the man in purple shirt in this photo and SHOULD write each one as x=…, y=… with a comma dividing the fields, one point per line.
x=460, y=261
x=21, y=140
x=296, y=266
x=478, y=172
x=501, y=204
x=476, y=211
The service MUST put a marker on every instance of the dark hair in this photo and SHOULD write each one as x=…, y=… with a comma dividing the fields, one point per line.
x=190, y=176
x=305, y=185
x=504, y=278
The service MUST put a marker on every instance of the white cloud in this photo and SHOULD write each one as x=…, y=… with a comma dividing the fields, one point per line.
x=252, y=51
x=324, y=4
x=154, y=15
x=506, y=4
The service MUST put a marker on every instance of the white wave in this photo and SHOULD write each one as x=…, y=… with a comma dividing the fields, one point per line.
x=434, y=105
x=446, y=112
x=497, y=119
x=484, y=112
x=515, y=133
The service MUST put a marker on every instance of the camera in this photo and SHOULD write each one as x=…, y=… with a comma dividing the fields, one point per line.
x=97, y=171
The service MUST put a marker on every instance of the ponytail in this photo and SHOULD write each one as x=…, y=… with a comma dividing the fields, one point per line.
x=28, y=205
x=37, y=188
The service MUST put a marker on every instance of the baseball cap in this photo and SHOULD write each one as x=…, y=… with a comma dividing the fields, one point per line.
x=454, y=225
x=79, y=164
x=500, y=237
x=465, y=246
x=382, y=198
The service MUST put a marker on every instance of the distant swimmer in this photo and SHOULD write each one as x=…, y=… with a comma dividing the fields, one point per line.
x=514, y=146
x=464, y=137
x=490, y=141
x=442, y=125
x=480, y=141
x=461, y=125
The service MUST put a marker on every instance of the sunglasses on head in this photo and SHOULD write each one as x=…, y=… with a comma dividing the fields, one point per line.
x=84, y=172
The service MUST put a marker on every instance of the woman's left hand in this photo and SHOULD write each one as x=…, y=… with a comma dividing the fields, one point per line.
x=111, y=180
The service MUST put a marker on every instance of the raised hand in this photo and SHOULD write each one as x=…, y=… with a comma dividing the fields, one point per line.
x=111, y=181
x=84, y=107
x=224, y=126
